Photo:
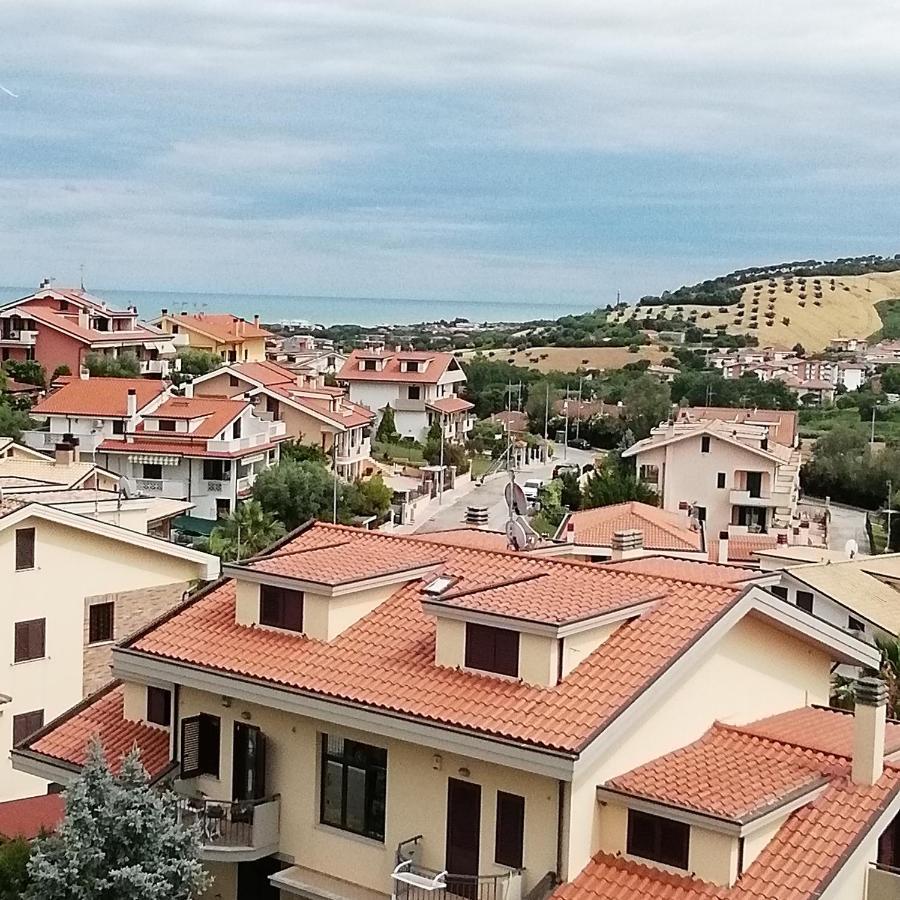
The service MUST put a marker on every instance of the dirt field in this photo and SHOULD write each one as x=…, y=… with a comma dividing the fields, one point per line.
x=568, y=359
x=845, y=309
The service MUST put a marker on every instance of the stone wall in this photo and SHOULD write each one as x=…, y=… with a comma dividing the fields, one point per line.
x=132, y=611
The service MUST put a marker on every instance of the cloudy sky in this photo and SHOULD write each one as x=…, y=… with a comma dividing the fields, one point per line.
x=482, y=149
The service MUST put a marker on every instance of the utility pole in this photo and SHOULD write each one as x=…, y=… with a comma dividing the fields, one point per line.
x=334, y=477
x=546, y=410
x=578, y=415
x=889, y=511
x=441, y=473
x=872, y=435
x=566, y=433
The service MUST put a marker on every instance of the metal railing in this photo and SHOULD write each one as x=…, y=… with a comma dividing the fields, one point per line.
x=222, y=823
x=505, y=886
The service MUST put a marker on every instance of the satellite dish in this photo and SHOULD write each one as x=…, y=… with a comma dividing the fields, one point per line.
x=128, y=488
x=532, y=536
x=851, y=548
x=515, y=533
x=515, y=498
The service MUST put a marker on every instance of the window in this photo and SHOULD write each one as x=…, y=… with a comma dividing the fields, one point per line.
x=30, y=640
x=24, y=548
x=215, y=470
x=510, y=832
x=805, y=601
x=200, y=746
x=779, y=591
x=280, y=607
x=236, y=429
x=166, y=424
x=152, y=472
x=100, y=622
x=855, y=624
x=233, y=382
x=492, y=649
x=704, y=444
x=354, y=779
x=720, y=480
x=661, y=840
x=414, y=392
x=369, y=365
x=26, y=724
x=118, y=427
x=159, y=706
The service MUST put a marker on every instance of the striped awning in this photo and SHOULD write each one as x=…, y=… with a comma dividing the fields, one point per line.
x=154, y=459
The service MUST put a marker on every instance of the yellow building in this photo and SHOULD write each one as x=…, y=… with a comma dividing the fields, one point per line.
x=231, y=337
x=355, y=715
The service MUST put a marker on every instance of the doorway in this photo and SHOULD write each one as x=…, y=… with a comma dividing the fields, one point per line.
x=754, y=484
x=248, y=768
x=463, y=837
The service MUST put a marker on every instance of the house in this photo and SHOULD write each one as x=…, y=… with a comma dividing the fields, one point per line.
x=232, y=338
x=592, y=533
x=304, y=353
x=312, y=412
x=380, y=715
x=205, y=450
x=736, y=473
x=420, y=386
x=61, y=326
x=72, y=586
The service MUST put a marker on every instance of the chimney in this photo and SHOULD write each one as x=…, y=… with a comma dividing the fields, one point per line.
x=570, y=532
x=189, y=389
x=869, y=718
x=165, y=312
x=256, y=319
x=64, y=454
x=131, y=403
x=722, y=555
x=627, y=544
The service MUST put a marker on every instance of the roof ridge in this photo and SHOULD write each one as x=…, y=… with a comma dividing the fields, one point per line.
x=797, y=745
x=478, y=589
x=276, y=554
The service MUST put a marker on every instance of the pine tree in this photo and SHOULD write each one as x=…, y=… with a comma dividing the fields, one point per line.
x=120, y=840
x=386, y=432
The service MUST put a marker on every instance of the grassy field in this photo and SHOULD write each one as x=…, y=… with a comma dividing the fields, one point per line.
x=814, y=423
x=402, y=453
x=847, y=308
x=889, y=312
x=480, y=465
x=568, y=359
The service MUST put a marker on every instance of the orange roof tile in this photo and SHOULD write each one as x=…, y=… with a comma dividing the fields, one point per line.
x=106, y=397
x=743, y=547
x=221, y=326
x=438, y=364
x=216, y=412
x=468, y=537
x=662, y=530
x=450, y=405
x=684, y=569
x=386, y=660
x=102, y=715
x=264, y=373
x=29, y=817
x=784, y=420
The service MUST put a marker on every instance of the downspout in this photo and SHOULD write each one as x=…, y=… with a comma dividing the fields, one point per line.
x=174, y=722
x=560, y=823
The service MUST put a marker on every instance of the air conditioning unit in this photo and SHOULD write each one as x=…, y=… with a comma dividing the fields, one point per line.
x=14, y=334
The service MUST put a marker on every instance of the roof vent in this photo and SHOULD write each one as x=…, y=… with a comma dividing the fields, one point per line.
x=439, y=585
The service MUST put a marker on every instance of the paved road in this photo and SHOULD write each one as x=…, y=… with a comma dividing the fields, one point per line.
x=490, y=494
x=845, y=524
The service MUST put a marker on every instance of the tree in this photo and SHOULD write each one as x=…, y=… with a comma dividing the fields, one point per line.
x=799, y=349
x=27, y=371
x=570, y=495
x=60, y=371
x=890, y=380
x=245, y=532
x=299, y=452
x=120, y=840
x=537, y=402
x=100, y=365
x=454, y=455
x=615, y=483
x=295, y=492
x=197, y=362
x=368, y=498
x=386, y=433
x=14, y=421
x=647, y=403
x=14, y=857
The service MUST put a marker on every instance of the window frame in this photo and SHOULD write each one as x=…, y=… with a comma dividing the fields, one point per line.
x=154, y=467
x=705, y=443
x=23, y=627
x=274, y=595
x=163, y=696
x=483, y=648
x=414, y=392
x=111, y=606
x=659, y=825
x=373, y=766
x=779, y=591
x=25, y=551
x=118, y=426
x=510, y=815
x=17, y=725
x=856, y=625
x=808, y=601
x=720, y=480
x=168, y=425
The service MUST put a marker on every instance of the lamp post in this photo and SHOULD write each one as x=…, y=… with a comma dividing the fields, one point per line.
x=441, y=473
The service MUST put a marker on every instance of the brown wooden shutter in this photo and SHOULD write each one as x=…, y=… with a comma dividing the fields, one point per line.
x=24, y=548
x=190, y=747
x=510, y=831
x=506, y=652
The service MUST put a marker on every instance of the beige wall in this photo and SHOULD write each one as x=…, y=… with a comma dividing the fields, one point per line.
x=70, y=565
x=416, y=797
x=224, y=886
x=754, y=671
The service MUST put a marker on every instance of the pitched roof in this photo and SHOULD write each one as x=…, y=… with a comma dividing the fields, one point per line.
x=386, y=660
x=684, y=569
x=743, y=547
x=479, y=538
x=264, y=373
x=320, y=404
x=102, y=715
x=662, y=530
x=450, y=405
x=216, y=412
x=221, y=326
x=438, y=364
x=29, y=817
x=104, y=397
x=784, y=420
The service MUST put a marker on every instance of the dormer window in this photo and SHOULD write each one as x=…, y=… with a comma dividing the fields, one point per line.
x=412, y=365
x=492, y=649
x=658, y=839
x=166, y=424
x=281, y=608
x=369, y=365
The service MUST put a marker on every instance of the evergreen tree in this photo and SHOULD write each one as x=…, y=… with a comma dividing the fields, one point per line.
x=387, y=427
x=120, y=840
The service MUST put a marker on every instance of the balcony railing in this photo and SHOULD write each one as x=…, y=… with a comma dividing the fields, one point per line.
x=238, y=830
x=412, y=881
x=273, y=431
x=171, y=490
x=765, y=498
x=47, y=440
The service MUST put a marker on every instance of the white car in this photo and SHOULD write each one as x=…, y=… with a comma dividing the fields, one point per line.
x=532, y=488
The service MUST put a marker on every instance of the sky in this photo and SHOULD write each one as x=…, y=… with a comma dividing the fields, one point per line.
x=539, y=150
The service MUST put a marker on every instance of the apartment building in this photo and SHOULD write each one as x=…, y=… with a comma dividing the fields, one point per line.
x=231, y=337
x=420, y=386
x=387, y=715
x=72, y=586
x=312, y=412
x=739, y=474
x=60, y=326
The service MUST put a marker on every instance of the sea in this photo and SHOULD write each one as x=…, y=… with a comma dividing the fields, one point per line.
x=307, y=310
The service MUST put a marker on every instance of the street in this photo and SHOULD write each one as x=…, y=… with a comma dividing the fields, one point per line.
x=490, y=494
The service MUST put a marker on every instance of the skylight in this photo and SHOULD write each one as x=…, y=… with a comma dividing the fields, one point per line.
x=440, y=584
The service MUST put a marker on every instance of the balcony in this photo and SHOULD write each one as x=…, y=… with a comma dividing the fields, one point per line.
x=883, y=883
x=233, y=831
x=171, y=490
x=45, y=441
x=744, y=498
x=260, y=439
x=347, y=455
x=412, y=881
x=160, y=367
x=19, y=338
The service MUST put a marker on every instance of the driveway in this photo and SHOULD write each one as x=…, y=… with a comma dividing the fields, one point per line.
x=490, y=494
x=846, y=523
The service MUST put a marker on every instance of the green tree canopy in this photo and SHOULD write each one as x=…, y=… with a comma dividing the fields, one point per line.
x=27, y=371
x=245, y=532
x=197, y=362
x=295, y=492
x=14, y=857
x=100, y=365
x=14, y=421
x=368, y=498
x=386, y=433
x=647, y=403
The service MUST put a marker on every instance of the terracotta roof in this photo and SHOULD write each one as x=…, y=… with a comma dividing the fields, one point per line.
x=438, y=364
x=216, y=412
x=105, y=397
x=190, y=446
x=743, y=547
x=386, y=660
x=69, y=324
x=511, y=420
x=264, y=373
x=785, y=420
x=348, y=415
x=450, y=405
x=30, y=817
x=662, y=530
x=684, y=569
x=102, y=715
x=468, y=537
x=221, y=326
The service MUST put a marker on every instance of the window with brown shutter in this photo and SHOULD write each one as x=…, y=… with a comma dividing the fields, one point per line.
x=159, y=705
x=280, y=607
x=492, y=649
x=659, y=839
x=29, y=640
x=26, y=724
x=24, y=548
x=100, y=622
x=200, y=746
x=510, y=831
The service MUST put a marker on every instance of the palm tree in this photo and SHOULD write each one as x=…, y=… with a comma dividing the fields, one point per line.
x=843, y=688
x=245, y=532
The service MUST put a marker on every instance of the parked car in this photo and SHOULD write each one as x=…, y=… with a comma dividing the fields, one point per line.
x=532, y=489
x=580, y=444
x=561, y=468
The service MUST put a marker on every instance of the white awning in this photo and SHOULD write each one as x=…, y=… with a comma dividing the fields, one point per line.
x=154, y=459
